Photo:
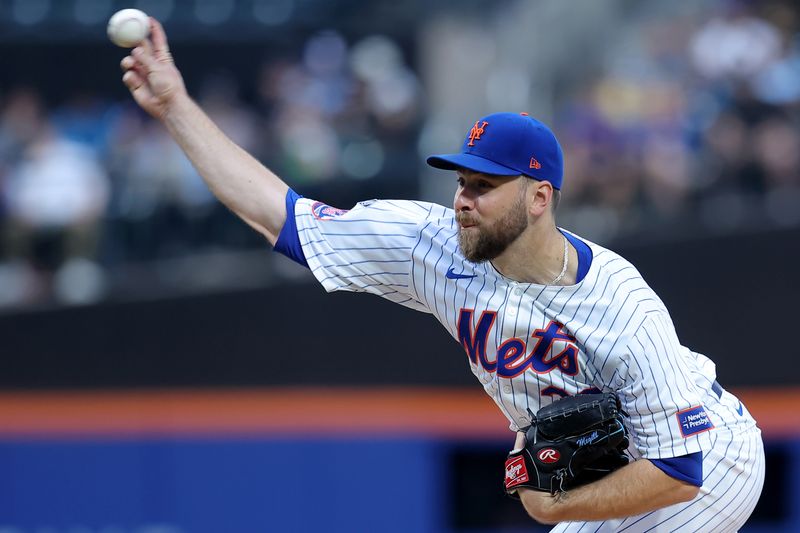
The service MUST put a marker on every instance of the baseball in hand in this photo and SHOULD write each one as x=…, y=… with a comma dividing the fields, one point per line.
x=128, y=27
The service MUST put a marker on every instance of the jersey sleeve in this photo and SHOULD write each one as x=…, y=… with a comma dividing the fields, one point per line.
x=687, y=468
x=366, y=249
x=667, y=415
x=288, y=243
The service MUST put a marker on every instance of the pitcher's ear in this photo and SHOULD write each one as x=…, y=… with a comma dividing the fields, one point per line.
x=542, y=197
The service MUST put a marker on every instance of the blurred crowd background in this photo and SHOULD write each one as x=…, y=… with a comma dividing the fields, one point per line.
x=677, y=121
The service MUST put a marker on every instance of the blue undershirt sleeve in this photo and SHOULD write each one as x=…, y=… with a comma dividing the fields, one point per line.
x=688, y=468
x=288, y=242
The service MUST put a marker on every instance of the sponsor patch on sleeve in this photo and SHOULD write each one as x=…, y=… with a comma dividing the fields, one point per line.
x=693, y=421
x=325, y=212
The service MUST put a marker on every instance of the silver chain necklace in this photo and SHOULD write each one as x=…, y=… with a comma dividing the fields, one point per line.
x=566, y=262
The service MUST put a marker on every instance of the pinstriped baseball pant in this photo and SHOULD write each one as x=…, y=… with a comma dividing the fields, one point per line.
x=733, y=475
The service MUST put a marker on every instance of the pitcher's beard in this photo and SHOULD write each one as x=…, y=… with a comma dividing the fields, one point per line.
x=480, y=244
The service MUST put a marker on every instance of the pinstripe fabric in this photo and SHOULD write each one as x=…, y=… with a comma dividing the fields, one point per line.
x=733, y=475
x=618, y=329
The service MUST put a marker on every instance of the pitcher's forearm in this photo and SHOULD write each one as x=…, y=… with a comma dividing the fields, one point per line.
x=240, y=182
x=243, y=184
x=634, y=489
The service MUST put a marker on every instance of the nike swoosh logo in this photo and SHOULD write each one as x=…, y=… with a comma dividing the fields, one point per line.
x=452, y=275
x=739, y=409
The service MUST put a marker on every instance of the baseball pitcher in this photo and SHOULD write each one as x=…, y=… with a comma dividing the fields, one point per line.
x=619, y=427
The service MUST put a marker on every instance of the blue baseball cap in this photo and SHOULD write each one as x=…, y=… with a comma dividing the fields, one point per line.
x=508, y=144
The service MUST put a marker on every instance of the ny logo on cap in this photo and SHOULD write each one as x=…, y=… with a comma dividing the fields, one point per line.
x=476, y=132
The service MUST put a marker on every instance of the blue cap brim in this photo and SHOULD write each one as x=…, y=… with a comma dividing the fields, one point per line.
x=470, y=162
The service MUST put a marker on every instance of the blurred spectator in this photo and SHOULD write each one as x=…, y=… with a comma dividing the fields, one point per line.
x=704, y=117
x=55, y=197
x=735, y=45
x=341, y=111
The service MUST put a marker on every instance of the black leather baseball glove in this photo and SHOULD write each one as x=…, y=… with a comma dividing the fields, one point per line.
x=571, y=442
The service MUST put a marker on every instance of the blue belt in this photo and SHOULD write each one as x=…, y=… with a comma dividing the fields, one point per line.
x=717, y=388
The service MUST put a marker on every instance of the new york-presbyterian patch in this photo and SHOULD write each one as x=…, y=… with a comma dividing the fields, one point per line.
x=325, y=212
x=693, y=420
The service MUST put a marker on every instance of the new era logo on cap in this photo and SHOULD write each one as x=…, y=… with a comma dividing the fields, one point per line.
x=508, y=144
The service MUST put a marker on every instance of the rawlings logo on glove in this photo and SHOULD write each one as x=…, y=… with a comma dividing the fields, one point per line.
x=548, y=455
x=572, y=442
x=516, y=472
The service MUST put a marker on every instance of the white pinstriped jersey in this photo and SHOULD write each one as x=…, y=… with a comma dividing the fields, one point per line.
x=530, y=344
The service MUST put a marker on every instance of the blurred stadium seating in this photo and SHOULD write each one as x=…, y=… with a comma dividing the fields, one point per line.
x=683, y=123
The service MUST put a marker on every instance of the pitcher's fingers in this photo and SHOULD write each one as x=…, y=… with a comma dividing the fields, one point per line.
x=127, y=63
x=132, y=80
x=143, y=55
x=519, y=443
x=159, y=38
x=147, y=46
